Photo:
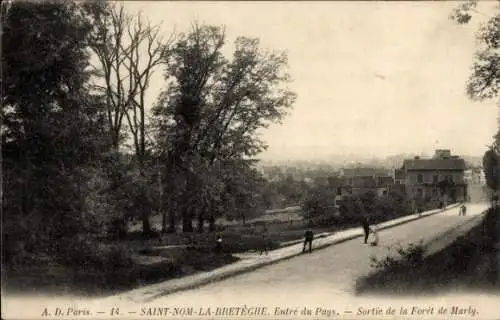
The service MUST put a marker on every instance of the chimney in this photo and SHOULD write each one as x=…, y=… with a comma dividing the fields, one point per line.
x=442, y=153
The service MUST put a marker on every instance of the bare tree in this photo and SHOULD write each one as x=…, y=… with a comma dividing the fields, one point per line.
x=129, y=50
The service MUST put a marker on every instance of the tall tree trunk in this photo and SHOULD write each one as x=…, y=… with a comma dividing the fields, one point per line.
x=146, y=213
x=187, y=223
x=146, y=225
x=146, y=203
x=201, y=221
x=187, y=210
x=187, y=214
x=171, y=183
x=211, y=223
x=171, y=219
x=164, y=221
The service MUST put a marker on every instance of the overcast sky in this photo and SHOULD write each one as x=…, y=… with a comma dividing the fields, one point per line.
x=372, y=78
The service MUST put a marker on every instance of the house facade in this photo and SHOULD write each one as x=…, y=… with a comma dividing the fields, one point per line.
x=441, y=177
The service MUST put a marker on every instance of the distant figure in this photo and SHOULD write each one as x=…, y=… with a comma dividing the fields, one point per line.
x=308, y=238
x=218, y=244
x=463, y=210
x=494, y=200
x=366, y=228
x=265, y=241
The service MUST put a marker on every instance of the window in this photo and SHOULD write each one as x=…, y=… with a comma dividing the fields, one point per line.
x=435, y=178
x=420, y=178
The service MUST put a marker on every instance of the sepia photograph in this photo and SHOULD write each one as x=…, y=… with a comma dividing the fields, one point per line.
x=250, y=159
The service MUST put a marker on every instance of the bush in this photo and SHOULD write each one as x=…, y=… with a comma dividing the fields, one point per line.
x=319, y=201
x=111, y=264
x=411, y=257
x=461, y=252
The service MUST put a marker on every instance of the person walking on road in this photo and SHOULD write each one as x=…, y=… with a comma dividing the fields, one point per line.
x=463, y=210
x=308, y=238
x=218, y=244
x=366, y=228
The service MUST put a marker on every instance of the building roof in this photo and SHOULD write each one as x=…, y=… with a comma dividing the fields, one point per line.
x=364, y=172
x=435, y=164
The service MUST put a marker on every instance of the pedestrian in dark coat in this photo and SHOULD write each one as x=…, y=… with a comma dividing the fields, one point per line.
x=308, y=238
x=366, y=228
x=218, y=244
x=463, y=210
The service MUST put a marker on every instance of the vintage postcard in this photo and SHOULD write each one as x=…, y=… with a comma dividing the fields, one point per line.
x=250, y=160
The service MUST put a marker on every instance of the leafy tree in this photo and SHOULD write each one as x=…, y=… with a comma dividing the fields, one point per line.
x=214, y=107
x=484, y=82
x=491, y=166
x=52, y=125
x=319, y=201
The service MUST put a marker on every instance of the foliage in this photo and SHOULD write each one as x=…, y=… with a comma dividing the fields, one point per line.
x=211, y=112
x=369, y=200
x=319, y=201
x=491, y=165
x=66, y=181
x=392, y=205
x=410, y=257
x=112, y=265
x=52, y=125
x=484, y=82
x=462, y=13
x=291, y=189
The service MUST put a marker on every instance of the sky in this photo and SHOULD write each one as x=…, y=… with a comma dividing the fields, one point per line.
x=371, y=78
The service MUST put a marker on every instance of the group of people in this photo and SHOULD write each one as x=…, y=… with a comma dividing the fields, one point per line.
x=308, y=238
x=309, y=234
x=365, y=223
